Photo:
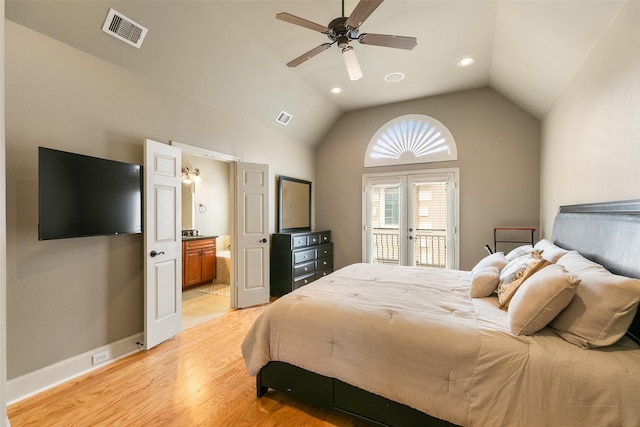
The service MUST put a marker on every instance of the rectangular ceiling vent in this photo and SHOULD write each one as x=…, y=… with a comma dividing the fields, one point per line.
x=284, y=118
x=123, y=28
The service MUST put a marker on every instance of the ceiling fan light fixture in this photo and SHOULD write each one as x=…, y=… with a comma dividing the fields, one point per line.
x=351, y=62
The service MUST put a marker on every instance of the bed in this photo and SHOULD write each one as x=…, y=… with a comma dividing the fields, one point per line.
x=411, y=346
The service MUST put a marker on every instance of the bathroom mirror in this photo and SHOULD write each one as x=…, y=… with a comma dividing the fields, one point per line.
x=294, y=205
x=188, y=205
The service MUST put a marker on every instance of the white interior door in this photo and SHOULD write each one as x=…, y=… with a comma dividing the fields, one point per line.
x=162, y=243
x=252, y=235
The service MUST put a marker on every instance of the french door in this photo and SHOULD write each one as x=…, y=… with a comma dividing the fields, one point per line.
x=411, y=218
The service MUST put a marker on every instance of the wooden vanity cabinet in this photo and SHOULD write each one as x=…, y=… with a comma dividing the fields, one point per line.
x=199, y=261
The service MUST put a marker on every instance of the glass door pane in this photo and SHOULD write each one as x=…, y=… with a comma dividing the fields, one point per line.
x=384, y=221
x=428, y=223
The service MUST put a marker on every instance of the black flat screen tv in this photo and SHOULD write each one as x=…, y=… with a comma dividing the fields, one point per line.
x=81, y=196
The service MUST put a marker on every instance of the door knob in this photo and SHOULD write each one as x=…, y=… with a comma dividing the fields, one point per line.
x=264, y=240
x=154, y=253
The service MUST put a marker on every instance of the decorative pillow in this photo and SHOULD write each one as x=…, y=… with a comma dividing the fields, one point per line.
x=484, y=281
x=540, y=298
x=550, y=251
x=516, y=272
x=519, y=251
x=603, y=307
x=494, y=260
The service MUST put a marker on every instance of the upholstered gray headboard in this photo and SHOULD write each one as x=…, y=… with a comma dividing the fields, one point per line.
x=607, y=233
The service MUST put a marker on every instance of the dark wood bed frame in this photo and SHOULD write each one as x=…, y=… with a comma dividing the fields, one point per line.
x=607, y=233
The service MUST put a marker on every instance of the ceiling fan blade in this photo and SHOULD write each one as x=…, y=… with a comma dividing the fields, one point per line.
x=399, y=42
x=362, y=11
x=306, y=56
x=292, y=19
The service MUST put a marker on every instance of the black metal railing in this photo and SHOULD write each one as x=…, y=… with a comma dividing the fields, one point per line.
x=430, y=247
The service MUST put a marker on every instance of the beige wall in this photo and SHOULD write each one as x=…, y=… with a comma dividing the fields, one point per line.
x=71, y=296
x=3, y=255
x=590, y=140
x=498, y=157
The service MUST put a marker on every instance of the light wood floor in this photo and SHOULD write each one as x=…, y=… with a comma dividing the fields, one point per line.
x=196, y=379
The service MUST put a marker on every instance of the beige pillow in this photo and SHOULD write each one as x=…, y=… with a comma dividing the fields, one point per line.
x=494, y=260
x=603, y=307
x=550, y=251
x=484, y=281
x=516, y=272
x=519, y=251
x=540, y=298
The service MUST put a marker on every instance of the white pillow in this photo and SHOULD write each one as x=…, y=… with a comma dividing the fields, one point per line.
x=519, y=251
x=603, y=308
x=484, y=281
x=540, y=298
x=550, y=251
x=494, y=260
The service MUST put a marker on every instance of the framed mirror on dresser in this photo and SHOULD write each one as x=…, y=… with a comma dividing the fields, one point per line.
x=294, y=205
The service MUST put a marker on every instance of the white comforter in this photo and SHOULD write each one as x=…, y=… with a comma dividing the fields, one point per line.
x=415, y=336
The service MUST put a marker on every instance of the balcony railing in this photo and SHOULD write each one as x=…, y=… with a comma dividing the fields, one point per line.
x=430, y=247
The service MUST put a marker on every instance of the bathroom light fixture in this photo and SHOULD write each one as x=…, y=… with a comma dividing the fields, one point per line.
x=465, y=62
x=351, y=61
x=190, y=175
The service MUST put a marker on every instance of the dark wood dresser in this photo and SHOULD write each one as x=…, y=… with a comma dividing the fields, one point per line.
x=298, y=259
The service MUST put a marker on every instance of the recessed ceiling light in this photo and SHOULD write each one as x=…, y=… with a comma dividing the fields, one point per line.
x=465, y=62
x=336, y=90
x=393, y=77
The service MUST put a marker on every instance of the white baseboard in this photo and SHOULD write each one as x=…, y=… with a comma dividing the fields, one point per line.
x=27, y=385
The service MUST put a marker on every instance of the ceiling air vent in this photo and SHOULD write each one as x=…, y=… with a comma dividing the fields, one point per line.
x=284, y=118
x=123, y=28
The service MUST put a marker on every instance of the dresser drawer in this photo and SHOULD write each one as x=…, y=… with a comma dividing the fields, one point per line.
x=325, y=250
x=313, y=239
x=324, y=263
x=304, y=280
x=299, y=241
x=322, y=273
x=325, y=236
x=302, y=269
x=303, y=256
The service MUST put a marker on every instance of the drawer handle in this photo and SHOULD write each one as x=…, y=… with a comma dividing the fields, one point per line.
x=306, y=281
x=324, y=262
x=306, y=269
x=306, y=256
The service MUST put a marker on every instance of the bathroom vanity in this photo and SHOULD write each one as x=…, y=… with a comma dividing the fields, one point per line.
x=198, y=260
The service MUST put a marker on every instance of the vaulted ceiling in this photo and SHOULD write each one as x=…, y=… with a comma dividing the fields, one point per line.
x=232, y=55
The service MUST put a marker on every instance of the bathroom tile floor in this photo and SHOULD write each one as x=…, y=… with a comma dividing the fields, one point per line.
x=199, y=307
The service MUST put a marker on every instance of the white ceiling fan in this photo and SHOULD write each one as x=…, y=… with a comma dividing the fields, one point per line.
x=343, y=30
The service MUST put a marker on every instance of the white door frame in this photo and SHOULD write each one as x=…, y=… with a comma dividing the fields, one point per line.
x=235, y=301
x=385, y=176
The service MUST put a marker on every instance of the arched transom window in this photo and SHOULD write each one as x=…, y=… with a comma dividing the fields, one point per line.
x=414, y=138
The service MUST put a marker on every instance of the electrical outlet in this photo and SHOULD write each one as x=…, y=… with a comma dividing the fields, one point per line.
x=101, y=357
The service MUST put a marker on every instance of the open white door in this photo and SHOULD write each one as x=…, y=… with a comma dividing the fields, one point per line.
x=162, y=243
x=252, y=235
